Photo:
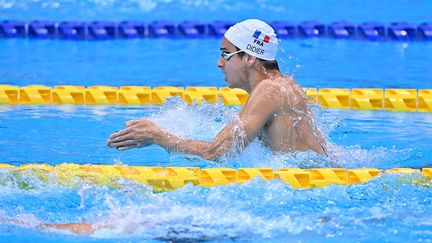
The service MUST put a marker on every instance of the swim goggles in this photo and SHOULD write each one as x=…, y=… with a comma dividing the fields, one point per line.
x=228, y=55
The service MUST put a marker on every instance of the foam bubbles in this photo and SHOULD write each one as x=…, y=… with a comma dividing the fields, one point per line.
x=256, y=209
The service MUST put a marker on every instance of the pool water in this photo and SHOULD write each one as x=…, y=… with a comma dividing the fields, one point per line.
x=391, y=207
x=157, y=62
x=386, y=11
x=58, y=134
x=385, y=207
x=388, y=208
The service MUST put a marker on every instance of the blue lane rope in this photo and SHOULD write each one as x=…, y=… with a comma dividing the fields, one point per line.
x=105, y=30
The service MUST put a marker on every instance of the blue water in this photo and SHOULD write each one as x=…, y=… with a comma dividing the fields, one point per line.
x=416, y=11
x=154, y=62
x=392, y=208
x=388, y=208
x=58, y=134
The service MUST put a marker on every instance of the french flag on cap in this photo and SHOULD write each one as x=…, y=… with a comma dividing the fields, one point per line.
x=260, y=36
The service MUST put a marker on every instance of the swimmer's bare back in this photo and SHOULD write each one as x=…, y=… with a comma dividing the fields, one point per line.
x=292, y=127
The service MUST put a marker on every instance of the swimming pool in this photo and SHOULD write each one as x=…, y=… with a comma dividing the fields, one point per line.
x=391, y=207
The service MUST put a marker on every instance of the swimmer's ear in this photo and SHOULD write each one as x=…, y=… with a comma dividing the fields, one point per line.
x=250, y=60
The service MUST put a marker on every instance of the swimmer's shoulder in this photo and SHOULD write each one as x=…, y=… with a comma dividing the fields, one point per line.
x=268, y=88
x=282, y=81
x=268, y=92
x=284, y=91
x=271, y=84
x=282, y=86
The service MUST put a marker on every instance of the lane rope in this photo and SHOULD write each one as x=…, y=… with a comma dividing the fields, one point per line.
x=171, y=178
x=409, y=100
x=108, y=30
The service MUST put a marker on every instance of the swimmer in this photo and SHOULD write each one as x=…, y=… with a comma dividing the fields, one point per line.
x=80, y=228
x=276, y=111
x=77, y=228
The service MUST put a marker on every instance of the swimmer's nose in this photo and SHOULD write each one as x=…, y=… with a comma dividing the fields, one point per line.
x=220, y=62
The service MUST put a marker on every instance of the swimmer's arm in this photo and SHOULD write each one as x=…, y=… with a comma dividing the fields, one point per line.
x=205, y=149
x=259, y=109
x=77, y=228
x=85, y=228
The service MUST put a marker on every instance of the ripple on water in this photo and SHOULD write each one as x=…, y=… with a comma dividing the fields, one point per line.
x=384, y=207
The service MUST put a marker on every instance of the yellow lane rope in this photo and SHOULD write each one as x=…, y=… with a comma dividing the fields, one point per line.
x=170, y=178
x=339, y=98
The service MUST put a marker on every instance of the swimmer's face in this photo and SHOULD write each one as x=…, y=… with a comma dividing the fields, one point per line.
x=231, y=65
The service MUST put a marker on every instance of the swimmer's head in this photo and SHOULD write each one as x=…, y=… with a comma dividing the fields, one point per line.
x=255, y=38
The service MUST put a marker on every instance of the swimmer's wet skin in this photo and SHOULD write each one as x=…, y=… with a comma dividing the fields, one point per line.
x=276, y=110
x=77, y=228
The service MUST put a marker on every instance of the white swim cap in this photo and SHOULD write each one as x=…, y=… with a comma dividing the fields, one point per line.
x=254, y=37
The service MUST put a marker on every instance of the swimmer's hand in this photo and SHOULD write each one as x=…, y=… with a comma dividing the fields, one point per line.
x=139, y=133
